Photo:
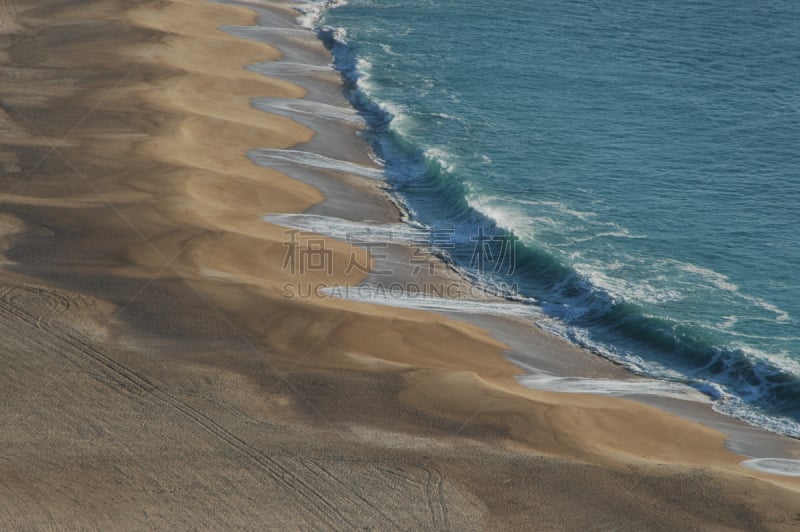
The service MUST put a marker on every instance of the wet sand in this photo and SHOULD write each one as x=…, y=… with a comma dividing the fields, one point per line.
x=155, y=374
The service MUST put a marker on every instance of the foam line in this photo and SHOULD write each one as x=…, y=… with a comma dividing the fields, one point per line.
x=278, y=68
x=347, y=230
x=387, y=295
x=277, y=158
x=613, y=387
x=776, y=466
x=259, y=33
x=292, y=107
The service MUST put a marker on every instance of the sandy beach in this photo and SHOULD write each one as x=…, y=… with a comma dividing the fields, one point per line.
x=157, y=375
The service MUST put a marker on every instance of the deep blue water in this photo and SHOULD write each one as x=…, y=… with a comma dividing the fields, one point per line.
x=646, y=154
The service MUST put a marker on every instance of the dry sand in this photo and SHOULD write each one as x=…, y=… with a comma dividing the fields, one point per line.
x=155, y=376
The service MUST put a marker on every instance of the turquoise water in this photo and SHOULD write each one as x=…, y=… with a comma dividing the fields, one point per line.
x=644, y=153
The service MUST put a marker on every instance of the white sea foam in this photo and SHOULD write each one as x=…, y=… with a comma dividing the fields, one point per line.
x=658, y=281
x=502, y=214
x=781, y=360
x=278, y=68
x=442, y=157
x=266, y=34
x=553, y=225
x=364, y=79
x=631, y=361
x=397, y=298
x=776, y=466
x=719, y=280
x=254, y=32
x=547, y=219
x=729, y=322
x=559, y=207
x=308, y=108
x=618, y=287
x=401, y=120
x=257, y=3
x=781, y=316
x=311, y=12
x=722, y=282
x=756, y=389
x=282, y=158
x=309, y=16
x=613, y=387
x=734, y=407
x=617, y=232
x=348, y=230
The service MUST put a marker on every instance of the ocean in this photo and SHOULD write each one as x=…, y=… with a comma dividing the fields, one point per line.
x=641, y=156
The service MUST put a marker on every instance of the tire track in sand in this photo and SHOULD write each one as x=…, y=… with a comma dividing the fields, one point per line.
x=69, y=345
x=327, y=499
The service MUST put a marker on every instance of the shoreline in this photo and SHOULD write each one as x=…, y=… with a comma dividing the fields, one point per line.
x=749, y=440
x=605, y=324
x=156, y=376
